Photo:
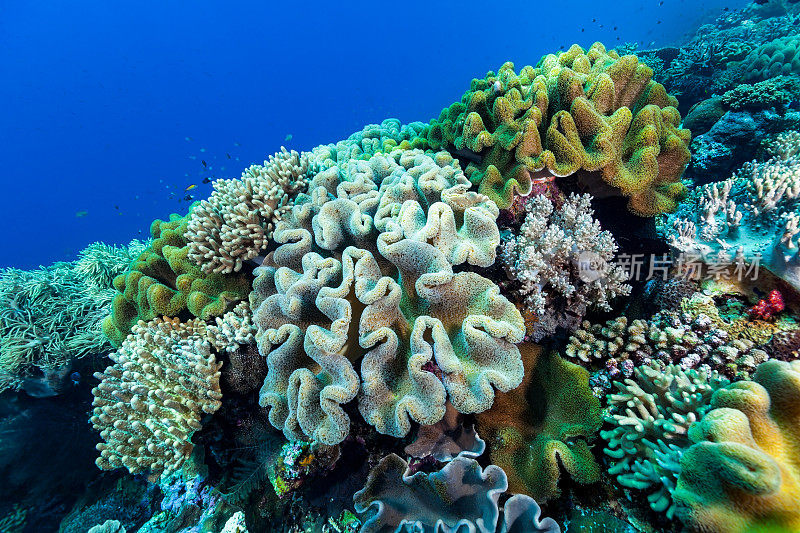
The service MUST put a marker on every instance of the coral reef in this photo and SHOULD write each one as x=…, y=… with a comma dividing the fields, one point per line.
x=236, y=222
x=741, y=472
x=775, y=58
x=446, y=439
x=372, y=139
x=541, y=427
x=425, y=333
x=776, y=92
x=163, y=281
x=234, y=329
x=749, y=217
x=51, y=316
x=149, y=402
x=562, y=260
x=461, y=495
x=577, y=112
x=651, y=415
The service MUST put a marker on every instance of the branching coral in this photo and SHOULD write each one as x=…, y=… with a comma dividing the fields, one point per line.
x=742, y=471
x=150, y=401
x=651, y=415
x=460, y=497
x=776, y=92
x=234, y=329
x=541, y=428
x=236, y=222
x=669, y=337
x=753, y=215
x=590, y=113
x=562, y=259
x=51, y=316
x=364, y=272
x=163, y=281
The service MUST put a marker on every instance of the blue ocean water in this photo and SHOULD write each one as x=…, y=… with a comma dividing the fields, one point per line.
x=110, y=109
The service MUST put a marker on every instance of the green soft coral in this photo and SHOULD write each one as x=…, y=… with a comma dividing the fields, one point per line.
x=543, y=426
x=163, y=281
x=363, y=279
x=590, y=113
x=742, y=473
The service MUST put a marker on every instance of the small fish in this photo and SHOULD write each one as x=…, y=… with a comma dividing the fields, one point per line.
x=659, y=22
x=190, y=187
x=726, y=9
x=188, y=197
x=81, y=214
x=204, y=162
x=206, y=180
x=116, y=207
x=583, y=30
x=75, y=377
x=229, y=155
x=202, y=149
x=187, y=139
x=288, y=137
x=594, y=20
x=615, y=28
x=661, y=3
x=172, y=195
x=236, y=144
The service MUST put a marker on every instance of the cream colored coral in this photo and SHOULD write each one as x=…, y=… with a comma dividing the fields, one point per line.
x=232, y=330
x=150, y=401
x=236, y=222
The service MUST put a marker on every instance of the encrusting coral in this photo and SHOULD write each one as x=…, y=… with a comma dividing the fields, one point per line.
x=461, y=496
x=163, y=281
x=742, y=471
x=236, y=222
x=562, y=260
x=651, y=415
x=590, y=113
x=542, y=427
x=150, y=401
x=364, y=273
x=752, y=216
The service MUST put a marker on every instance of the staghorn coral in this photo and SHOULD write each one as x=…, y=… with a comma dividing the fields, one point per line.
x=752, y=216
x=163, y=281
x=562, y=260
x=590, y=113
x=541, y=428
x=234, y=329
x=149, y=402
x=51, y=316
x=236, y=222
x=372, y=139
x=741, y=472
x=460, y=497
x=364, y=272
x=651, y=415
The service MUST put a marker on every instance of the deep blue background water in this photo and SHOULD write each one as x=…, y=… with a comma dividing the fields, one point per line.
x=108, y=110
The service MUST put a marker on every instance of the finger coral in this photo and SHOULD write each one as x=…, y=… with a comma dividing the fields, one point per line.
x=561, y=259
x=234, y=329
x=540, y=429
x=150, y=401
x=651, y=415
x=750, y=218
x=590, y=113
x=461, y=496
x=236, y=222
x=163, y=281
x=775, y=58
x=364, y=273
x=741, y=472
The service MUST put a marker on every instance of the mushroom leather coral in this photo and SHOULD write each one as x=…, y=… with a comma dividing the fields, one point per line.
x=163, y=281
x=743, y=471
x=366, y=276
x=539, y=427
x=591, y=113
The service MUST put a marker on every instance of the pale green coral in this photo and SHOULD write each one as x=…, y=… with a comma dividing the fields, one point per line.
x=651, y=415
x=364, y=273
x=51, y=316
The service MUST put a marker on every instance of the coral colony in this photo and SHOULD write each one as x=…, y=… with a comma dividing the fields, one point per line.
x=551, y=308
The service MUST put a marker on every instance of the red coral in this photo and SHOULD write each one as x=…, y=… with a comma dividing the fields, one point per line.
x=767, y=309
